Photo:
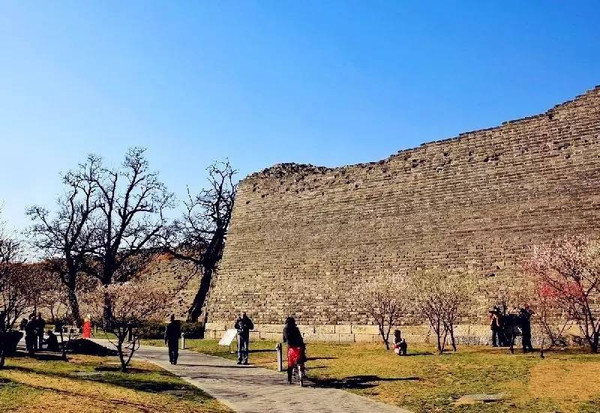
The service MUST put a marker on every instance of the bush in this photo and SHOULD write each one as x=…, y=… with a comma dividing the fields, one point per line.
x=193, y=330
x=10, y=340
x=152, y=329
x=156, y=330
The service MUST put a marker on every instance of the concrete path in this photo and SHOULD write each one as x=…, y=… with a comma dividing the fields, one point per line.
x=254, y=389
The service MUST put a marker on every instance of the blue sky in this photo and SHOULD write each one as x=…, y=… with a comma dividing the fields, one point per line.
x=323, y=82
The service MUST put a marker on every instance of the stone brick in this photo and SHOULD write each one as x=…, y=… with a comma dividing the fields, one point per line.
x=343, y=329
x=365, y=338
x=325, y=329
x=218, y=326
x=322, y=337
x=270, y=336
x=365, y=330
x=346, y=338
x=269, y=328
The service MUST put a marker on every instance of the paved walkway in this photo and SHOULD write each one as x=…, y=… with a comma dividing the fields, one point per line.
x=254, y=389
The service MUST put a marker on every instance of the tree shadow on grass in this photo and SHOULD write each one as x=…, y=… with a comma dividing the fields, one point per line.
x=130, y=380
x=358, y=382
x=40, y=355
x=321, y=358
x=137, y=383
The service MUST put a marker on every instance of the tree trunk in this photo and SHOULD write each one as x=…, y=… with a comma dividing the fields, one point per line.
x=200, y=298
x=121, y=354
x=74, y=303
x=452, y=338
x=443, y=347
x=385, y=339
x=210, y=259
x=596, y=339
x=106, y=310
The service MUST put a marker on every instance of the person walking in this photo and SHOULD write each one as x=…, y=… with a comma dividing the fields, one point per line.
x=243, y=325
x=296, y=355
x=172, y=334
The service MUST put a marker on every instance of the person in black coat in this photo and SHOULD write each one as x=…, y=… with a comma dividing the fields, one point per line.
x=243, y=325
x=31, y=334
x=41, y=325
x=525, y=321
x=495, y=326
x=172, y=334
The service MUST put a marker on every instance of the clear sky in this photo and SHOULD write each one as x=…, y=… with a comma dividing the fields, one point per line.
x=323, y=82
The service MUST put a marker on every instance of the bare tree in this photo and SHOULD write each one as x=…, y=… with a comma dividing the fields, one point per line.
x=54, y=297
x=10, y=247
x=13, y=290
x=552, y=320
x=383, y=302
x=203, y=228
x=14, y=293
x=66, y=237
x=509, y=291
x=131, y=304
x=442, y=298
x=569, y=271
x=131, y=201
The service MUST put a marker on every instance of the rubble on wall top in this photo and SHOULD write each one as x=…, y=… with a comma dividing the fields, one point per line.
x=281, y=170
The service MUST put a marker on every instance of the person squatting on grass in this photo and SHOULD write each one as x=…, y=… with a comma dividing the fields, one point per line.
x=243, y=325
x=52, y=342
x=296, y=354
x=172, y=334
x=400, y=346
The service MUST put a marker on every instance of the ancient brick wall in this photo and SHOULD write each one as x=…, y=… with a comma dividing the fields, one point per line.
x=306, y=240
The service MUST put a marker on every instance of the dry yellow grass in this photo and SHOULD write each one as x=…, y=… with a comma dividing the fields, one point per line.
x=426, y=382
x=566, y=381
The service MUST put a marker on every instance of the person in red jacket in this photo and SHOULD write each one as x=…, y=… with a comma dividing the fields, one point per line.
x=296, y=355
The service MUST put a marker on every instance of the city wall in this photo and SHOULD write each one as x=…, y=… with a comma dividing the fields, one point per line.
x=306, y=241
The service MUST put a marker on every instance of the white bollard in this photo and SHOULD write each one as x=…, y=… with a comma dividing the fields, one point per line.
x=182, y=341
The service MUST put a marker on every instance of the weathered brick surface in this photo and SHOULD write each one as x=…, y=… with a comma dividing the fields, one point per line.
x=306, y=240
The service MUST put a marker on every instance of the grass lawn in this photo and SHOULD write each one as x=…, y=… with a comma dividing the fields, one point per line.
x=565, y=381
x=94, y=384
